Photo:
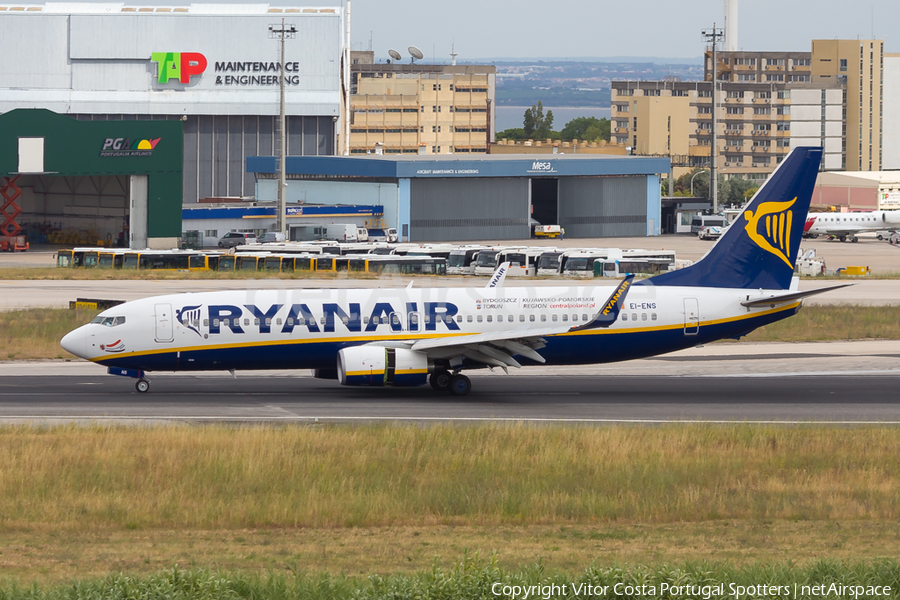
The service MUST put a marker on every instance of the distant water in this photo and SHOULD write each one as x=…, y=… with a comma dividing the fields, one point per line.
x=511, y=116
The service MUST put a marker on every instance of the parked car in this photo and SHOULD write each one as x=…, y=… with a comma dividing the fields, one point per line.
x=236, y=238
x=712, y=232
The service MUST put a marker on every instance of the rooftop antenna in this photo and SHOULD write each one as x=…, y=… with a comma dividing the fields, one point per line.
x=394, y=54
x=415, y=53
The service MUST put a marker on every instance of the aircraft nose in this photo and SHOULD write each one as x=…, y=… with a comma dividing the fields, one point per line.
x=75, y=342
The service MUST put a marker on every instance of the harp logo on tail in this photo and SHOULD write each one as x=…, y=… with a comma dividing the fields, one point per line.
x=770, y=228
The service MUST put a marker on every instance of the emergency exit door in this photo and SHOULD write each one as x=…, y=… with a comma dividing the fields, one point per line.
x=164, y=329
x=691, y=316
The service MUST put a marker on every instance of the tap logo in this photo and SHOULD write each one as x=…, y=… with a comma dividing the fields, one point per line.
x=189, y=316
x=116, y=346
x=178, y=65
x=777, y=224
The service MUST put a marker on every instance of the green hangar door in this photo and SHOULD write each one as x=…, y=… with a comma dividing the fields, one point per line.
x=469, y=209
x=603, y=206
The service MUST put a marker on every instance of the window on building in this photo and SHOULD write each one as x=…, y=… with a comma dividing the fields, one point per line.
x=735, y=94
x=746, y=77
x=843, y=66
x=784, y=94
x=625, y=92
x=211, y=233
x=763, y=95
x=734, y=110
x=775, y=77
x=651, y=92
x=704, y=93
x=762, y=110
x=802, y=62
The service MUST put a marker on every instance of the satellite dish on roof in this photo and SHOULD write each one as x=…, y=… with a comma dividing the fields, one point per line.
x=394, y=54
x=415, y=53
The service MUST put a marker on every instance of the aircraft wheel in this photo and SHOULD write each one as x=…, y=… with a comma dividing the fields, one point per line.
x=460, y=385
x=142, y=386
x=440, y=380
x=843, y=238
x=854, y=239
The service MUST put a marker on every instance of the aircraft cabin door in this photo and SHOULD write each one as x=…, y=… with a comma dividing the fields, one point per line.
x=164, y=330
x=691, y=316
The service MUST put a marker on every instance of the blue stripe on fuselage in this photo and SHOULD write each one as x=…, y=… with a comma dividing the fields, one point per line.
x=586, y=348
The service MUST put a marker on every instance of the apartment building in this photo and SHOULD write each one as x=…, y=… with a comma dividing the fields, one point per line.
x=757, y=123
x=858, y=67
x=419, y=108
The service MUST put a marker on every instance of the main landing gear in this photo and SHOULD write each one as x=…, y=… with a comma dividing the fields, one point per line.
x=456, y=383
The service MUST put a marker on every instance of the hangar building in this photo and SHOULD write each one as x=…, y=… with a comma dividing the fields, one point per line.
x=439, y=198
x=214, y=68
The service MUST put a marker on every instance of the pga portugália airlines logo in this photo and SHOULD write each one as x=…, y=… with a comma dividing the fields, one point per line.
x=128, y=147
x=770, y=228
x=178, y=65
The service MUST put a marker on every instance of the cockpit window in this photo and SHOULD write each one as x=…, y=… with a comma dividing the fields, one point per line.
x=108, y=321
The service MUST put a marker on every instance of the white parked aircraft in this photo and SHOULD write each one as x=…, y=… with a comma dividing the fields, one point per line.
x=398, y=337
x=845, y=226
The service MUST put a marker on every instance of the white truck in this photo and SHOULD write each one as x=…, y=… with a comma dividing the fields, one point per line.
x=345, y=232
x=383, y=235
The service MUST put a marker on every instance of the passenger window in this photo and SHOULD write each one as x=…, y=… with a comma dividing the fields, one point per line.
x=278, y=321
x=255, y=322
x=268, y=322
x=554, y=317
x=574, y=317
x=652, y=316
x=584, y=317
x=345, y=320
x=624, y=316
x=565, y=318
x=365, y=320
x=469, y=318
x=634, y=316
x=290, y=322
x=395, y=319
x=531, y=318
x=246, y=322
x=376, y=320
x=480, y=318
x=643, y=316
x=543, y=318
x=428, y=318
x=322, y=320
x=458, y=319
x=521, y=318
x=490, y=318
x=226, y=322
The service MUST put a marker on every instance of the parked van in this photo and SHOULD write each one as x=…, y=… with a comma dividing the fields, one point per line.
x=581, y=264
x=272, y=237
x=383, y=235
x=701, y=221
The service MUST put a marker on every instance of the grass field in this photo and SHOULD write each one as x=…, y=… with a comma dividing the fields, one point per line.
x=476, y=577
x=83, y=502
x=35, y=333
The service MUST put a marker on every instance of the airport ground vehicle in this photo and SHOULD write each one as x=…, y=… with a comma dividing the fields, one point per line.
x=581, y=264
x=383, y=235
x=547, y=231
x=275, y=237
x=236, y=238
x=398, y=337
x=461, y=261
x=701, y=221
x=712, y=232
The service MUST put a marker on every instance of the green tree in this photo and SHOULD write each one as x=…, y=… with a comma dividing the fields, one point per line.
x=591, y=129
x=737, y=191
x=536, y=124
x=514, y=133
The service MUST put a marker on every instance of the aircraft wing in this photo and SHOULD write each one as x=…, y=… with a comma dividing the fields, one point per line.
x=497, y=348
x=789, y=297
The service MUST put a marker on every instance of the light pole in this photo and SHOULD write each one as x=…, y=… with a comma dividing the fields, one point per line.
x=280, y=33
x=692, y=179
x=713, y=36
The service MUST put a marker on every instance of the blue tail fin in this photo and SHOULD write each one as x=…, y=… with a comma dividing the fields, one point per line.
x=760, y=248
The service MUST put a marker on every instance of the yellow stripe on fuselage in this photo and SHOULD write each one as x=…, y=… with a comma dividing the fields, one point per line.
x=421, y=336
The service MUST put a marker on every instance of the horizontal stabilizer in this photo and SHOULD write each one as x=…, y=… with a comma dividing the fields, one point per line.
x=782, y=298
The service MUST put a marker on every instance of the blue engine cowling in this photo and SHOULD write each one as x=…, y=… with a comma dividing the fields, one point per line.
x=379, y=366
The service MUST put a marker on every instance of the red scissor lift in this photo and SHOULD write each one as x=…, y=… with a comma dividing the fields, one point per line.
x=11, y=239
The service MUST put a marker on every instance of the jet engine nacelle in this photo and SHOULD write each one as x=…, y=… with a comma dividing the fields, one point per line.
x=379, y=366
x=891, y=216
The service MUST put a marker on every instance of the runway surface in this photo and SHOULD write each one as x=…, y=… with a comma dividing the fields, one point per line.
x=841, y=383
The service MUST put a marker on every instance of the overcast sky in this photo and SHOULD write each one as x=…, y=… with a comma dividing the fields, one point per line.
x=484, y=29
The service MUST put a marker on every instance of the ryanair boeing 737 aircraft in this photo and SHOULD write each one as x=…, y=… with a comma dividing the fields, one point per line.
x=400, y=337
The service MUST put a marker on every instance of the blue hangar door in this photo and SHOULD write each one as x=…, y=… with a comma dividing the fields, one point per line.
x=603, y=206
x=469, y=209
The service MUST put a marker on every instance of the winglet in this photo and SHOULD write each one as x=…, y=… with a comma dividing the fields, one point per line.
x=498, y=277
x=610, y=311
